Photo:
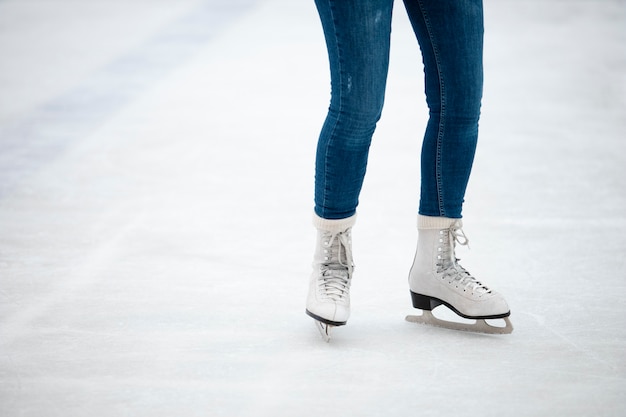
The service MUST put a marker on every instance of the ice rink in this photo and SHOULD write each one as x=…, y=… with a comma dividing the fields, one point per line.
x=156, y=187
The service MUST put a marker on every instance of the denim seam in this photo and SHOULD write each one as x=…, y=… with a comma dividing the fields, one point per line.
x=441, y=130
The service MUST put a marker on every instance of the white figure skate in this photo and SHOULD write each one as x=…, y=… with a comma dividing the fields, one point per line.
x=328, y=300
x=436, y=278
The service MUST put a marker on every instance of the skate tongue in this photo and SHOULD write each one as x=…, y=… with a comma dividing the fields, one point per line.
x=343, y=255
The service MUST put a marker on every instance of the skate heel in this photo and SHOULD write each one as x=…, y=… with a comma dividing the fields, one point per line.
x=424, y=302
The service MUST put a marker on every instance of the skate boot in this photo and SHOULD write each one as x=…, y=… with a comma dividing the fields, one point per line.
x=436, y=278
x=328, y=301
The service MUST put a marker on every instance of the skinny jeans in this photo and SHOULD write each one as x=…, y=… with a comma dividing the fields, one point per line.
x=357, y=34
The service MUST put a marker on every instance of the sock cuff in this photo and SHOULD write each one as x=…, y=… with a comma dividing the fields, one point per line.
x=432, y=222
x=333, y=226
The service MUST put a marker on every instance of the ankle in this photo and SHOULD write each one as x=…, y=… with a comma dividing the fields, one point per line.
x=432, y=222
x=333, y=225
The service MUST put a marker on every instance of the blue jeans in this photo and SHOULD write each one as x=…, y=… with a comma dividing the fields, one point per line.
x=357, y=33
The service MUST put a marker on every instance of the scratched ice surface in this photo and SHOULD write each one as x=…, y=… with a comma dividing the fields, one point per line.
x=156, y=181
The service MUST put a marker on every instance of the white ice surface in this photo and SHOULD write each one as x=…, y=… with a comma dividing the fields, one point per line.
x=156, y=174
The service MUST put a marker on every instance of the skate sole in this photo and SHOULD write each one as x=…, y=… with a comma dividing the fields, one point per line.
x=428, y=303
x=325, y=321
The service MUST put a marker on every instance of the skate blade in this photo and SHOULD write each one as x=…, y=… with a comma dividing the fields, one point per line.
x=480, y=326
x=324, y=330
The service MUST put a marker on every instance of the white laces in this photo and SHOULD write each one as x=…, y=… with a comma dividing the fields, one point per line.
x=448, y=262
x=337, y=266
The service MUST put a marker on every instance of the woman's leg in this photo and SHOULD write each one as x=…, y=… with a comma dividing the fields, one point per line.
x=357, y=36
x=450, y=34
